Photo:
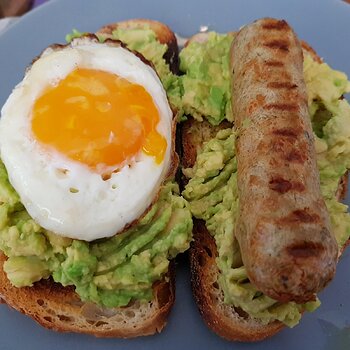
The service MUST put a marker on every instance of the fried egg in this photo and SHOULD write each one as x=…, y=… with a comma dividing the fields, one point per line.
x=86, y=138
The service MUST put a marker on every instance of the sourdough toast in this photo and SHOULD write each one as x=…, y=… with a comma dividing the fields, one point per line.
x=225, y=320
x=60, y=308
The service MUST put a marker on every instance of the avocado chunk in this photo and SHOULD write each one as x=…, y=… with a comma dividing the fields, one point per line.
x=25, y=270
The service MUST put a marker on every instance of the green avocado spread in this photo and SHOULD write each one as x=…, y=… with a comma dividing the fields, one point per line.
x=212, y=188
x=205, y=85
x=111, y=271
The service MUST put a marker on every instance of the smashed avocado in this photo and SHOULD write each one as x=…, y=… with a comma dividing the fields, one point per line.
x=206, y=80
x=110, y=272
x=212, y=191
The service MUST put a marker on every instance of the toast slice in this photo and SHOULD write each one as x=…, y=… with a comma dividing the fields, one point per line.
x=227, y=321
x=60, y=308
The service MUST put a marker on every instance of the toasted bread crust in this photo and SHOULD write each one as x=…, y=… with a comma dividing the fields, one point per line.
x=225, y=320
x=60, y=308
x=164, y=34
x=307, y=48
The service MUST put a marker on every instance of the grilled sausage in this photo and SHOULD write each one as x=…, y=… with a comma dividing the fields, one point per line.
x=283, y=226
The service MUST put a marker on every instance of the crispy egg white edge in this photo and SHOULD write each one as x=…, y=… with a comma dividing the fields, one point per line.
x=98, y=210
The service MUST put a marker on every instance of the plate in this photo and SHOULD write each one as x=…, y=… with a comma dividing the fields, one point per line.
x=324, y=24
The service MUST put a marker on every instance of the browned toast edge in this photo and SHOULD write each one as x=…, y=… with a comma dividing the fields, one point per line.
x=59, y=308
x=164, y=34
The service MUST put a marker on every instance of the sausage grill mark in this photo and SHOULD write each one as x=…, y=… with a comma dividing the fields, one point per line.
x=283, y=106
x=277, y=25
x=274, y=63
x=281, y=185
x=281, y=85
x=282, y=45
x=305, y=249
x=304, y=215
x=287, y=132
x=296, y=157
x=286, y=139
x=300, y=217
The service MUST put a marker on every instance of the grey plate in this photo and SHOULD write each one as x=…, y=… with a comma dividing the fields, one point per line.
x=324, y=24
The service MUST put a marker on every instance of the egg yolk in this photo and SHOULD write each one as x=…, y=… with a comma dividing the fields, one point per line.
x=98, y=118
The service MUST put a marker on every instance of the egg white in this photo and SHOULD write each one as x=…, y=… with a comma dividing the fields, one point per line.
x=65, y=196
